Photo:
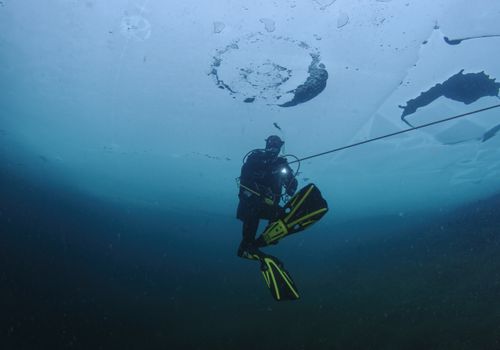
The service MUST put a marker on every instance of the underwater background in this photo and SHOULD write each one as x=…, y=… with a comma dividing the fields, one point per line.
x=123, y=124
x=85, y=274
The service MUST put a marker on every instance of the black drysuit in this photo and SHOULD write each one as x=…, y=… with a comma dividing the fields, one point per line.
x=262, y=179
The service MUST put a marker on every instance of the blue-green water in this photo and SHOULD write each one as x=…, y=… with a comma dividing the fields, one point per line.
x=84, y=274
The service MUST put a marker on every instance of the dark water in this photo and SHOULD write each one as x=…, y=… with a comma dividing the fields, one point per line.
x=80, y=273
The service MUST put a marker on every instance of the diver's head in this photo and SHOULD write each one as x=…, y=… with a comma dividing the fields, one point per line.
x=273, y=145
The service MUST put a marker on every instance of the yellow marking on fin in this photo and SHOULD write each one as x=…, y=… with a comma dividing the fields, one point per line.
x=275, y=285
x=288, y=281
x=299, y=204
x=305, y=217
x=277, y=230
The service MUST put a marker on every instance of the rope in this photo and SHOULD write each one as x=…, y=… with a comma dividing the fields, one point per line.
x=396, y=133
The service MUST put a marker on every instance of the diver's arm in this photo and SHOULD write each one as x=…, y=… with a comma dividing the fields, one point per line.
x=248, y=169
x=248, y=177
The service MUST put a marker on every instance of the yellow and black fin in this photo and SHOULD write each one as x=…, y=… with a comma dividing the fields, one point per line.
x=278, y=280
x=305, y=208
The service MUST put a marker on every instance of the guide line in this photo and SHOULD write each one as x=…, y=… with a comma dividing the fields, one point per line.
x=477, y=111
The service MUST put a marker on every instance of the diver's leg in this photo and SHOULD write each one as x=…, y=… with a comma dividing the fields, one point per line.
x=272, y=214
x=250, y=226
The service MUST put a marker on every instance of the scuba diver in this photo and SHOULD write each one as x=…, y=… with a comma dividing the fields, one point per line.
x=264, y=175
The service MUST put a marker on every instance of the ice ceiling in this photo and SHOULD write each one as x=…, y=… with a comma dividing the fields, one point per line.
x=155, y=103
